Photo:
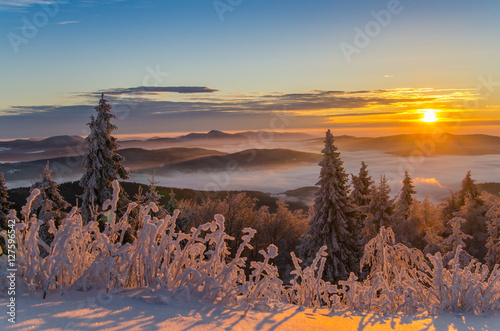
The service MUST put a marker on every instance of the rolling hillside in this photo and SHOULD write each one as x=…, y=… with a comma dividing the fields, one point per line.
x=135, y=158
x=247, y=159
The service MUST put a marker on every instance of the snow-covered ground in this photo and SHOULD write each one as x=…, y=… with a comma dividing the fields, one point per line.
x=139, y=309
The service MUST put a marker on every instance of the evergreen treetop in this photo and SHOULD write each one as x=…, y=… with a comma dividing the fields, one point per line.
x=468, y=189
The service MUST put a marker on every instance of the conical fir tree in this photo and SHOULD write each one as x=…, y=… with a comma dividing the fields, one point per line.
x=333, y=223
x=473, y=209
x=362, y=184
x=405, y=199
x=49, y=204
x=469, y=189
x=379, y=211
x=405, y=226
x=5, y=204
x=361, y=194
x=101, y=163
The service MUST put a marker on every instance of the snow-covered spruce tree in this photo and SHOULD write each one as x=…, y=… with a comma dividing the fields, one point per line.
x=379, y=211
x=468, y=188
x=473, y=209
x=493, y=243
x=333, y=223
x=362, y=184
x=5, y=204
x=101, y=163
x=405, y=226
x=361, y=193
x=49, y=204
x=405, y=198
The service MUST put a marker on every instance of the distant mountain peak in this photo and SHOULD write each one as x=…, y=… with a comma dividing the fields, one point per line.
x=210, y=134
x=217, y=133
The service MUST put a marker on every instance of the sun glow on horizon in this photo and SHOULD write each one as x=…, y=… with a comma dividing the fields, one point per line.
x=429, y=115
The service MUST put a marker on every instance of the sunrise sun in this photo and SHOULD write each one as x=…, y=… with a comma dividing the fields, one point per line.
x=429, y=115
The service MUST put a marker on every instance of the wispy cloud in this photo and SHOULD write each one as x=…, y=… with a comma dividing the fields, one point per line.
x=22, y=5
x=388, y=76
x=16, y=5
x=68, y=22
x=160, y=89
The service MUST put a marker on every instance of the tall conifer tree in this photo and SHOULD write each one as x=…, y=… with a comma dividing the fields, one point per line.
x=361, y=194
x=379, y=211
x=473, y=210
x=405, y=225
x=333, y=223
x=102, y=164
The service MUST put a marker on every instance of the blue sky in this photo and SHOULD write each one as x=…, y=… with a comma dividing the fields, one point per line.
x=51, y=79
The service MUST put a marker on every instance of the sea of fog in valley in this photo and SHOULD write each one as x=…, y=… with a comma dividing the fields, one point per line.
x=206, y=162
x=433, y=176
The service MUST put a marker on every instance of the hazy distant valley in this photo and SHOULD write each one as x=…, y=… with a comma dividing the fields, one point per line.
x=266, y=161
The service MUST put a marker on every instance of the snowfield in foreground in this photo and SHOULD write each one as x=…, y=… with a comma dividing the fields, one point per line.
x=139, y=309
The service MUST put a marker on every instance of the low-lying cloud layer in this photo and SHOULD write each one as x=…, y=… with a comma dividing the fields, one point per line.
x=434, y=176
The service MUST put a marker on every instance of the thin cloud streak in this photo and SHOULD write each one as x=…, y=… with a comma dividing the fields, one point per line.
x=159, y=89
x=68, y=22
x=19, y=5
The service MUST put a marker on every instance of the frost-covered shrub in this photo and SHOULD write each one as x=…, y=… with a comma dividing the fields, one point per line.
x=471, y=289
x=264, y=284
x=402, y=280
x=383, y=255
x=307, y=288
